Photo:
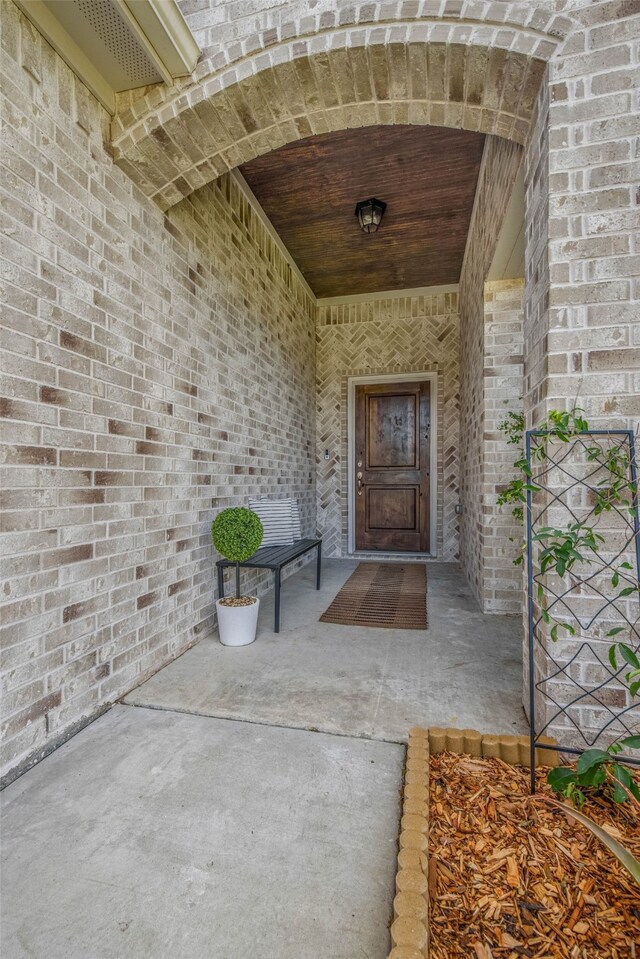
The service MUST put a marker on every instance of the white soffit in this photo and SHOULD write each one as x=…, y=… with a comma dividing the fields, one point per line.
x=117, y=45
x=508, y=260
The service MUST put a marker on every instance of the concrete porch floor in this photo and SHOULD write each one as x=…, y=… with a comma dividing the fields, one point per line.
x=465, y=670
x=158, y=833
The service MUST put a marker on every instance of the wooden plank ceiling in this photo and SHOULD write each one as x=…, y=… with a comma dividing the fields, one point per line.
x=427, y=177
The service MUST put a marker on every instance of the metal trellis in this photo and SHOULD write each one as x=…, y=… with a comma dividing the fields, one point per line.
x=566, y=483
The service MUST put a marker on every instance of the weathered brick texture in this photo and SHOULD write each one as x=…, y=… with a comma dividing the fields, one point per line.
x=502, y=392
x=483, y=359
x=583, y=221
x=403, y=334
x=155, y=369
x=271, y=74
x=582, y=315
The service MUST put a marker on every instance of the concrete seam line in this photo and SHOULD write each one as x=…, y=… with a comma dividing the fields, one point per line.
x=256, y=722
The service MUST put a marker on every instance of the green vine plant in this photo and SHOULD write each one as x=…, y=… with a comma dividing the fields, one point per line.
x=598, y=771
x=578, y=542
x=560, y=550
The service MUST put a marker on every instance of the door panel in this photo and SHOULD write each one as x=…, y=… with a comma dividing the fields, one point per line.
x=392, y=467
x=392, y=507
x=392, y=439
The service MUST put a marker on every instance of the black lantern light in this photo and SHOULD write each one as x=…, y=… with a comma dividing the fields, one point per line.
x=369, y=213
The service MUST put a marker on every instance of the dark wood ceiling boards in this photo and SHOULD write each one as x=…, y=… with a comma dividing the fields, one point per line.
x=427, y=177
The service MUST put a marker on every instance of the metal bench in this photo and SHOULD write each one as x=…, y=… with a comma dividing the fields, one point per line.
x=275, y=558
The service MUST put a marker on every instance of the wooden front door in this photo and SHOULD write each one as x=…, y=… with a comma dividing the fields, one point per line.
x=392, y=467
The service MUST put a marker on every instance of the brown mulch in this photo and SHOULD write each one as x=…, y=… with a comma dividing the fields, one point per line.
x=511, y=877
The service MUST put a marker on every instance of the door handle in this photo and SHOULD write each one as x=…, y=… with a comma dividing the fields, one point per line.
x=359, y=478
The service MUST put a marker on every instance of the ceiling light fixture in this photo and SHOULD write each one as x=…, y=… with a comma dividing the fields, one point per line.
x=369, y=213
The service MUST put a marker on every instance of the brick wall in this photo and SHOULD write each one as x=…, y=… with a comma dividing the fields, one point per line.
x=536, y=305
x=582, y=223
x=129, y=416
x=593, y=341
x=396, y=335
x=582, y=334
x=502, y=391
x=228, y=29
x=500, y=163
x=155, y=369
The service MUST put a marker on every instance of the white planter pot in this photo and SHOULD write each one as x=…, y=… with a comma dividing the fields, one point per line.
x=237, y=624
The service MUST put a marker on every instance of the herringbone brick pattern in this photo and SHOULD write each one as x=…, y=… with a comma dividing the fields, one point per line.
x=399, y=335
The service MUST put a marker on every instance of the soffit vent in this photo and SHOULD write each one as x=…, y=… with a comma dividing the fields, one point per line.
x=114, y=48
x=117, y=45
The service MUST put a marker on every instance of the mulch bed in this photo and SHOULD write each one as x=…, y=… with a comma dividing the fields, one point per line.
x=388, y=595
x=511, y=877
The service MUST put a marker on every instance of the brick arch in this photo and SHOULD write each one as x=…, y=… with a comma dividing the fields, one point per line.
x=440, y=73
x=534, y=24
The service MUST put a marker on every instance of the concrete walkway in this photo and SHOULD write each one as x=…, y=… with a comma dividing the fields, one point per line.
x=168, y=828
x=155, y=834
x=465, y=670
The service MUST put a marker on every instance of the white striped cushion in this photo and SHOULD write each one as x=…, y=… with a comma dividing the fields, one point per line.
x=295, y=519
x=276, y=518
x=295, y=512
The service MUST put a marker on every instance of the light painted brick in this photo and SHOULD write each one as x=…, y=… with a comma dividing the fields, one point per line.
x=138, y=333
x=161, y=372
x=483, y=360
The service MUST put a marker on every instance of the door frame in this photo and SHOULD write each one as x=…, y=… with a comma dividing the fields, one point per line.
x=372, y=379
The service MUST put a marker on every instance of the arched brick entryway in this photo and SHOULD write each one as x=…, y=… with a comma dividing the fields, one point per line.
x=477, y=66
x=468, y=65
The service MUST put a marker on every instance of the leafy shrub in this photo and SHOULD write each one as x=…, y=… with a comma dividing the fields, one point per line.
x=237, y=533
x=597, y=771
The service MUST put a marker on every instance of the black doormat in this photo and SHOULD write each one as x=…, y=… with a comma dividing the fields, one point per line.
x=387, y=595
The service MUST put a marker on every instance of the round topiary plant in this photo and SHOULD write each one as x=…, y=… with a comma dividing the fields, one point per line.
x=237, y=533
